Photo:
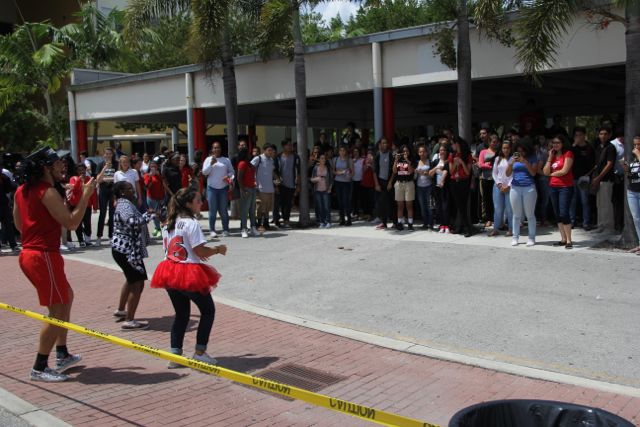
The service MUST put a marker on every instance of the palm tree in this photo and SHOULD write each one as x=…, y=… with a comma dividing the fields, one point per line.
x=32, y=63
x=95, y=41
x=539, y=30
x=210, y=34
x=280, y=24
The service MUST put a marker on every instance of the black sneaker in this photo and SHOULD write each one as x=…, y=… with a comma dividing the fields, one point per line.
x=410, y=227
x=399, y=226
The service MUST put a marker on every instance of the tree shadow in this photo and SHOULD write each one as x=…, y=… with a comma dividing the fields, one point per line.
x=104, y=375
x=245, y=363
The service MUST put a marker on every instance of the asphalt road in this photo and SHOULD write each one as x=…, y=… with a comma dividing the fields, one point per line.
x=573, y=312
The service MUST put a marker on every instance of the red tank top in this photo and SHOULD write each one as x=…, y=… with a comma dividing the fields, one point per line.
x=39, y=230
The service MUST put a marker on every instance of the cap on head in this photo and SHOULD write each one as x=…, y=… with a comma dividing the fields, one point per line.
x=47, y=156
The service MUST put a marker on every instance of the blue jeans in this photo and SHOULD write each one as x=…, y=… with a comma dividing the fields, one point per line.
x=323, y=206
x=501, y=208
x=633, y=198
x=561, y=202
x=247, y=207
x=423, y=194
x=343, y=191
x=583, y=196
x=218, y=202
x=523, y=203
x=156, y=205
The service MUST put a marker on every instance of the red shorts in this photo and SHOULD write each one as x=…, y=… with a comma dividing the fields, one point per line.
x=45, y=270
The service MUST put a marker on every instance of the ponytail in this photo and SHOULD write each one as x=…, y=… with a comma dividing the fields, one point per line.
x=178, y=206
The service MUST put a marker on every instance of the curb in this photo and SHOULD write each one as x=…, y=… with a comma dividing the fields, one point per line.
x=28, y=412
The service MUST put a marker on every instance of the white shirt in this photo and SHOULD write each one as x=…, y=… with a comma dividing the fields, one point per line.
x=217, y=172
x=179, y=243
x=131, y=176
x=499, y=172
x=144, y=167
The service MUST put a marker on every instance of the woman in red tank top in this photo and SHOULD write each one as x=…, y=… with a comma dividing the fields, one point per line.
x=39, y=212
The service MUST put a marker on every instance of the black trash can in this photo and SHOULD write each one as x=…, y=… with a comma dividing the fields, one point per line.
x=534, y=413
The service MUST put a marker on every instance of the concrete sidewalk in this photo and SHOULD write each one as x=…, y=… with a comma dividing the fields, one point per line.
x=116, y=386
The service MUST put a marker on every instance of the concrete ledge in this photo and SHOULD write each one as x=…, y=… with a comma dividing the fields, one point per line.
x=28, y=412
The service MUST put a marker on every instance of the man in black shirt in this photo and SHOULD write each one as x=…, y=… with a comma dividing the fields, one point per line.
x=584, y=159
x=603, y=180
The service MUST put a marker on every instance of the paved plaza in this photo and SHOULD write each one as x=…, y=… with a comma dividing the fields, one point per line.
x=392, y=314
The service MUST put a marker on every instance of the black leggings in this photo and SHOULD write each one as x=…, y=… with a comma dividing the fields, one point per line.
x=460, y=194
x=181, y=301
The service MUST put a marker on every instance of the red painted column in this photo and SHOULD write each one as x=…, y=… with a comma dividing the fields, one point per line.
x=81, y=130
x=252, y=137
x=388, y=113
x=200, y=131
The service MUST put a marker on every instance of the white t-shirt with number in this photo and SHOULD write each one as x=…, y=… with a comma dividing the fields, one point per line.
x=179, y=242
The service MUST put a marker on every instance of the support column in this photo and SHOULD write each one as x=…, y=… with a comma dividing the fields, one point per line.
x=190, y=127
x=81, y=133
x=376, y=56
x=389, y=114
x=200, y=131
x=174, y=138
x=73, y=130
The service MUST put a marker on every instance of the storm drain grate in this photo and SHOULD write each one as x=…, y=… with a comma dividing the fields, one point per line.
x=300, y=376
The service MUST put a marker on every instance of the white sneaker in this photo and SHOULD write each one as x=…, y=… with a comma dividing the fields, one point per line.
x=205, y=358
x=447, y=231
x=71, y=245
x=245, y=235
x=376, y=221
x=253, y=232
x=225, y=234
x=531, y=242
x=99, y=241
x=67, y=362
x=64, y=248
x=514, y=241
x=327, y=225
x=87, y=238
x=213, y=235
x=48, y=375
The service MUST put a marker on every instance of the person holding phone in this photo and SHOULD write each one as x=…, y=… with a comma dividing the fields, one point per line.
x=632, y=170
x=405, y=192
x=440, y=173
x=559, y=169
x=523, y=167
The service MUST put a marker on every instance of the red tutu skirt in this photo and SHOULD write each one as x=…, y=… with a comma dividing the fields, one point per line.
x=200, y=277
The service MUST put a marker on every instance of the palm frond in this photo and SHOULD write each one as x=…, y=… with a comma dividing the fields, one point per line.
x=539, y=31
x=141, y=13
x=275, y=28
x=48, y=54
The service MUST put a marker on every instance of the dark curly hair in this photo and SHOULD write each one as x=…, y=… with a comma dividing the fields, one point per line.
x=178, y=206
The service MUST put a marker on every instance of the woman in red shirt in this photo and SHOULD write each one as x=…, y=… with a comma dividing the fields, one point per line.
x=39, y=212
x=155, y=193
x=186, y=173
x=247, y=186
x=460, y=162
x=559, y=168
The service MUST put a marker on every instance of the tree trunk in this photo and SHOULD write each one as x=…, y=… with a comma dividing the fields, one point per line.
x=301, y=113
x=230, y=95
x=632, y=105
x=464, y=73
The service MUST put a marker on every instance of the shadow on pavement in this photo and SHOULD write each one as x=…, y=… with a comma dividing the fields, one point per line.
x=163, y=324
x=245, y=363
x=102, y=375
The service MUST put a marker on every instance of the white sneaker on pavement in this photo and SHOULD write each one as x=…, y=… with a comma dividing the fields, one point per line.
x=205, y=358
x=213, y=235
x=66, y=362
x=531, y=242
x=245, y=234
x=48, y=376
x=253, y=232
x=514, y=241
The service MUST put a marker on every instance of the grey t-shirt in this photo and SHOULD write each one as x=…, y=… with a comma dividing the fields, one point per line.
x=264, y=173
x=287, y=174
x=385, y=158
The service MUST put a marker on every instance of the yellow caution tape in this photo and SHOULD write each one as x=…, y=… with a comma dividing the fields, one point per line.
x=339, y=405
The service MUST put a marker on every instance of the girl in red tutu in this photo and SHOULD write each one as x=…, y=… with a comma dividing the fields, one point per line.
x=183, y=273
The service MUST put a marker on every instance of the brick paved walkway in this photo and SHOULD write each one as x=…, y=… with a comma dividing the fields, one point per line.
x=118, y=386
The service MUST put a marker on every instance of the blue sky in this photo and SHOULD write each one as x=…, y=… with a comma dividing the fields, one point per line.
x=330, y=9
